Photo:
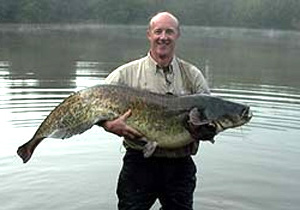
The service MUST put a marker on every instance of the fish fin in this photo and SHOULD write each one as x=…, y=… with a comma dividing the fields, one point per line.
x=205, y=132
x=199, y=127
x=197, y=118
x=64, y=133
x=25, y=151
x=149, y=148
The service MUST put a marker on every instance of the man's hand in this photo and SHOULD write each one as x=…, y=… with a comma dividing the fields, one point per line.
x=120, y=128
x=204, y=132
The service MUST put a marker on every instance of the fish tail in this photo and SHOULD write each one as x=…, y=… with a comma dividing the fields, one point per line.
x=25, y=151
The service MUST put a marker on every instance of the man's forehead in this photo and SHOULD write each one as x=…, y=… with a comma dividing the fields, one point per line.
x=164, y=20
x=163, y=25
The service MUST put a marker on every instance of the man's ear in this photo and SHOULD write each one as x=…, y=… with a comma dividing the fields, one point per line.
x=148, y=33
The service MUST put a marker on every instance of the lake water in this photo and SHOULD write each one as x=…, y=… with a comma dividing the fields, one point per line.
x=251, y=168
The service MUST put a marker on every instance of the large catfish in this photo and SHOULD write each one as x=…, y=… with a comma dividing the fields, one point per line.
x=165, y=121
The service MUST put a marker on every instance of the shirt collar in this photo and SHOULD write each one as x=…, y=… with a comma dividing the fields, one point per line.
x=153, y=64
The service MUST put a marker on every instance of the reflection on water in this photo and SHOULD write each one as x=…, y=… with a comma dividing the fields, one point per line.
x=29, y=103
x=88, y=73
x=274, y=107
x=254, y=167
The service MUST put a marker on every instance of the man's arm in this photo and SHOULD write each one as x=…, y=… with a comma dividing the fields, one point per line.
x=120, y=128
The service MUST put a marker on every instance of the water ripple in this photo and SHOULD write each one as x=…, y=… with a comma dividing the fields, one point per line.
x=271, y=109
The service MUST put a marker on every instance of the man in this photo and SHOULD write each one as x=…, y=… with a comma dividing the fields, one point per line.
x=169, y=175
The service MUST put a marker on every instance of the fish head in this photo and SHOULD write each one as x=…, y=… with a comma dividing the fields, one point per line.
x=224, y=114
x=235, y=119
x=213, y=115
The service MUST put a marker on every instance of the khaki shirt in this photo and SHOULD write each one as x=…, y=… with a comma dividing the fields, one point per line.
x=181, y=79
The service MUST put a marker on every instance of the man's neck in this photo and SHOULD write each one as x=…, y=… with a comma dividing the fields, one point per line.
x=162, y=61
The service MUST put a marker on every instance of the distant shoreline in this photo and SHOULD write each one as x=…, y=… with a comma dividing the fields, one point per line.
x=94, y=27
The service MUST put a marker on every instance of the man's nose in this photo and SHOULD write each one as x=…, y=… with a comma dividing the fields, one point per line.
x=163, y=35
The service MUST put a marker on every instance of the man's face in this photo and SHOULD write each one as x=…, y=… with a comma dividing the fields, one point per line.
x=162, y=34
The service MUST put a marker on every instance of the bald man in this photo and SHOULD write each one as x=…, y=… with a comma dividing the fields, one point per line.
x=168, y=175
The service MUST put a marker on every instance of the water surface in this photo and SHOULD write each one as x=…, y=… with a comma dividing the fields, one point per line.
x=252, y=168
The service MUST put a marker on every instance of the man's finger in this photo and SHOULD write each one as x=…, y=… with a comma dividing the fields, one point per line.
x=126, y=115
x=129, y=135
x=133, y=132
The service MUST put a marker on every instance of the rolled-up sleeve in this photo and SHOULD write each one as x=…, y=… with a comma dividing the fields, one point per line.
x=200, y=84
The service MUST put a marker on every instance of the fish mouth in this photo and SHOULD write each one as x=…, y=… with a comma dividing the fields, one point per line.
x=246, y=115
x=234, y=121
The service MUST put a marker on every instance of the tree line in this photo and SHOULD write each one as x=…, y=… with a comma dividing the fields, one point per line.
x=276, y=14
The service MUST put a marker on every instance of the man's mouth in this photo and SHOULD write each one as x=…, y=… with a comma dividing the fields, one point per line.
x=163, y=43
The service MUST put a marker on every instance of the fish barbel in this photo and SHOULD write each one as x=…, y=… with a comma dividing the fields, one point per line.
x=165, y=121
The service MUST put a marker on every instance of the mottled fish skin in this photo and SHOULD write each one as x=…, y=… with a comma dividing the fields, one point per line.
x=160, y=118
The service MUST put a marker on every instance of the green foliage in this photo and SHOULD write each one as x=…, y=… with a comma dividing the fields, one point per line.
x=279, y=14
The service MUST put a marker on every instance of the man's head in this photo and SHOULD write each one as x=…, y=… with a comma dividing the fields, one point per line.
x=162, y=33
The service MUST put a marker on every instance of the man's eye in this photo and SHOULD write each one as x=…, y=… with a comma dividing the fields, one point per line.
x=157, y=31
x=170, y=31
